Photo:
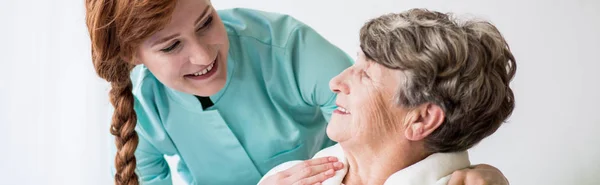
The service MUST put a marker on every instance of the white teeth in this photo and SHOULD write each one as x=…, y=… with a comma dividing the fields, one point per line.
x=206, y=70
x=343, y=110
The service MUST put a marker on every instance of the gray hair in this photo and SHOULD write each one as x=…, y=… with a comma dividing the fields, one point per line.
x=465, y=68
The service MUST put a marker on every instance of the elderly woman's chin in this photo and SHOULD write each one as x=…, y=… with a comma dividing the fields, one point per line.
x=338, y=129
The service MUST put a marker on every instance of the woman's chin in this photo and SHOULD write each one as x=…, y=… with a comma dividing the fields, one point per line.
x=335, y=133
x=209, y=89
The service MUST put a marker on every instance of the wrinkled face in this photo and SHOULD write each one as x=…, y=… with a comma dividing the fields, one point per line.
x=190, y=53
x=365, y=99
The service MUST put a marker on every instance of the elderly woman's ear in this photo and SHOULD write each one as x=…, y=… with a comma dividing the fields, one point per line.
x=422, y=121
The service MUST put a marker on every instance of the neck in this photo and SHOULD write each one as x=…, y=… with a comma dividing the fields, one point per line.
x=374, y=164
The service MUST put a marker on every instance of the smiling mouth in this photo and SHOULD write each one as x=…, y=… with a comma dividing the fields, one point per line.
x=204, y=71
x=341, y=110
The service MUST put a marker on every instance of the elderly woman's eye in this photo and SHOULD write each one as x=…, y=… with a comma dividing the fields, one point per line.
x=364, y=74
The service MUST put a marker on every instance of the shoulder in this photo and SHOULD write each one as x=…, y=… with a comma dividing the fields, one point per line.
x=444, y=180
x=335, y=150
x=267, y=27
x=151, y=104
x=145, y=86
x=149, y=97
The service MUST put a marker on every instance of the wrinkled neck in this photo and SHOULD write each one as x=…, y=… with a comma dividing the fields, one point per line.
x=374, y=164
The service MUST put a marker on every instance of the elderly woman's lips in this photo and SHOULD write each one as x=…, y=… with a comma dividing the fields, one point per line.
x=341, y=110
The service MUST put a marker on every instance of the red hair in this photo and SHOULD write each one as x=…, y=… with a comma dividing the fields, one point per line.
x=117, y=28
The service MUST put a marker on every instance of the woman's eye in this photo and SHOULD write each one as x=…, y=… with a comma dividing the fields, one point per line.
x=364, y=74
x=206, y=23
x=171, y=47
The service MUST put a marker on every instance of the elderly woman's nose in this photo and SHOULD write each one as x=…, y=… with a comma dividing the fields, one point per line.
x=338, y=83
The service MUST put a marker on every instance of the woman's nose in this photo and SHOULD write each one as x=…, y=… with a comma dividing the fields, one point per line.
x=201, y=54
x=338, y=84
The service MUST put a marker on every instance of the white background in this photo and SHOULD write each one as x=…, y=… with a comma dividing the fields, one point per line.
x=54, y=110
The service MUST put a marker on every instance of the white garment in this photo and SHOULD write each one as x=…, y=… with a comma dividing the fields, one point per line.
x=434, y=169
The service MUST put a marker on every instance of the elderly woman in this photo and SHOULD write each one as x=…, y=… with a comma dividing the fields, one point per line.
x=424, y=89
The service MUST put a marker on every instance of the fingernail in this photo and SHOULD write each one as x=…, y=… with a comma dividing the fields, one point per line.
x=329, y=172
x=338, y=165
x=332, y=159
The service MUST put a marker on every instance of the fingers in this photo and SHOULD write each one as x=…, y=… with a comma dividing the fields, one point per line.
x=477, y=176
x=457, y=178
x=312, y=171
x=308, y=172
x=316, y=170
x=309, y=163
x=316, y=179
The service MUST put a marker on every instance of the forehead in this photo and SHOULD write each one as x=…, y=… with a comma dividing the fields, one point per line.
x=186, y=11
x=379, y=73
x=184, y=15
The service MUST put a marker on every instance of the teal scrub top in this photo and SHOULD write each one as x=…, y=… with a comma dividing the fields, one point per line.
x=274, y=107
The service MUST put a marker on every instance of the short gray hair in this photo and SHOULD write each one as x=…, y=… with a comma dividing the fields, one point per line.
x=465, y=68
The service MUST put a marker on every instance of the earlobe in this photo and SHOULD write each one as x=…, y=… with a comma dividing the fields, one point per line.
x=136, y=61
x=415, y=131
x=428, y=118
x=412, y=126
